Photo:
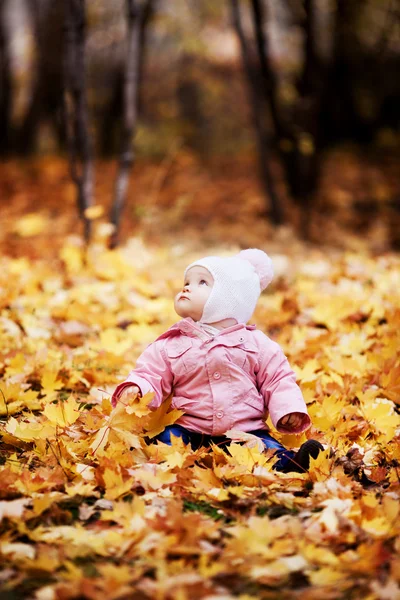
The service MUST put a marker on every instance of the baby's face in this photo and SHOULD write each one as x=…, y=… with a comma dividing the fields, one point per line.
x=197, y=287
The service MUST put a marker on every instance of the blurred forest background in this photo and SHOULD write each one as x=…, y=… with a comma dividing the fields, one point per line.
x=229, y=118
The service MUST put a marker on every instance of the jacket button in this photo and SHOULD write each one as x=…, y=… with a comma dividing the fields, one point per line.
x=217, y=375
x=220, y=414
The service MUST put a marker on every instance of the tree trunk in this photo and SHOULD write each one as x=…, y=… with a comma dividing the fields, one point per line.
x=267, y=75
x=297, y=138
x=46, y=93
x=110, y=121
x=138, y=12
x=307, y=117
x=340, y=117
x=77, y=122
x=26, y=136
x=257, y=112
x=190, y=106
x=5, y=86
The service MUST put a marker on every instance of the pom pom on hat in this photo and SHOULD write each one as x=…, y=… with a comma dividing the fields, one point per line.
x=261, y=263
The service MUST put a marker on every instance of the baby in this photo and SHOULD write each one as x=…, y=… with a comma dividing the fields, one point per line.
x=223, y=373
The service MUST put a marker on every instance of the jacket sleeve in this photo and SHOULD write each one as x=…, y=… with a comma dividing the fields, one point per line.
x=277, y=383
x=151, y=374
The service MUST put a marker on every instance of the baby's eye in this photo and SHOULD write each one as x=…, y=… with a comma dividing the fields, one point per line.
x=203, y=281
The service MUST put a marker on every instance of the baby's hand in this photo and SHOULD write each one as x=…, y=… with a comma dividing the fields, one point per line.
x=291, y=421
x=129, y=393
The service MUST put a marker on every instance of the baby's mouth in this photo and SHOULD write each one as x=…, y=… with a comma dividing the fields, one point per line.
x=184, y=298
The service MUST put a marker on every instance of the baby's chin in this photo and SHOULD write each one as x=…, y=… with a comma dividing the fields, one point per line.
x=182, y=312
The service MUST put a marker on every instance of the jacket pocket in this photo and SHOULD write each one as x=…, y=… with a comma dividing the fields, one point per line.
x=239, y=355
x=256, y=402
x=178, y=352
x=182, y=403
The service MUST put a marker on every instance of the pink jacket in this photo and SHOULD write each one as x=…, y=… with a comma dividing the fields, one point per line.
x=228, y=381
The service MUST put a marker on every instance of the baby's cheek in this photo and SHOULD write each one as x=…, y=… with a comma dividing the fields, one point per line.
x=176, y=305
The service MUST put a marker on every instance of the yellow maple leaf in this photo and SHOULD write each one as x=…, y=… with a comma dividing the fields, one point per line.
x=155, y=479
x=380, y=414
x=156, y=422
x=139, y=406
x=253, y=538
x=63, y=414
x=30, y=431
x=80, y=489
x=390, y=382
x=9, y=392
x=325, y=414
x=127, y=513
x=204, y=479
x=308, y=373
x=174, y=459
x=248, y=456
x=42, y=503
x=346, y=364
x=290, y=440
x=131, y=440
x=13, y=399
x=336, y=378
x=49, y=381
x=17, y=365
x=353, y=343
x=331, y=313
x=125, y=422
x=101, y=439
x=320, y=467
x=378, y=527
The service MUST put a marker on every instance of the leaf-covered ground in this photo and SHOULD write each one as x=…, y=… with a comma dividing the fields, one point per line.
x=90, y=509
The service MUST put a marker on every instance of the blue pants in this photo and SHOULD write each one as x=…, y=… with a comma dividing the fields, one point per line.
x=196, y=440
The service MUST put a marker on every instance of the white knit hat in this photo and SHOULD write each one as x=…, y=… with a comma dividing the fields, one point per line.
x=238, y=282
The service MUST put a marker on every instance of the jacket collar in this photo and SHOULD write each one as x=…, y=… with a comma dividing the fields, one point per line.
x=189, y=327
